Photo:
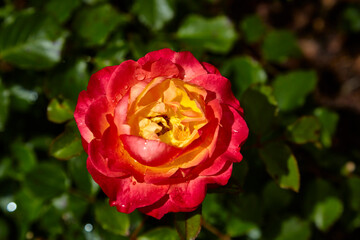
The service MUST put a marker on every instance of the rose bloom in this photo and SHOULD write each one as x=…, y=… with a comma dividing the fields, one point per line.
x=159, y=131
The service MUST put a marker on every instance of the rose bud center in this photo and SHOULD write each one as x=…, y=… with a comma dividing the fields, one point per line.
x=168, y=110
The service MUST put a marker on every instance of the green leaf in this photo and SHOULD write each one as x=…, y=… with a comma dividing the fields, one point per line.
x=214, y=34
x=268, y=91
x=245, y=217
x=51, y=221
x=353, y=184
x=328, y=120
x=68, y=144
x=243, y=72
x=274, y=198
x=28, y=207
x=21, y=98
x=291, y=89
x=114, y=53
x=36, y=35
x=68, y=80
x=188, y=225
x=281, y=164
x=212, y=210
x=327, y=212
x=294, y=229
x=154, y=13
x=24, y=155
x=253, y=28
x=279, y=46
x=79, y=173
x=4, y=105
x=93, y=2
x=259, y=113
x=240, y=172
x=112, y=220
x=72, y=205
x=237, y=227
x=5, y=167
x=46, y=181
x=322, y=204
x=60, y=112
x=163, y=233
x=41, y=142
x=61, y=10
x=355, y=222
x=4, y=229
x=305, y=129
x=94, y=24
x=351, y=19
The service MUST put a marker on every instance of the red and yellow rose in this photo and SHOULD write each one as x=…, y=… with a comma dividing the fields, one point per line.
x=159, y=131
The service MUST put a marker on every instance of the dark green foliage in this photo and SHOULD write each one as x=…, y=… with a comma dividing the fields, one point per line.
x=294, y=70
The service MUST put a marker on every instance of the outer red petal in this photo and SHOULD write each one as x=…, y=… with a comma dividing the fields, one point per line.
x=210, y=68
x=104, y=164
x=220, y=86
x=95, y=89
x=232, y=134
x=95, y=118
x=99, y=81
x=126, y=193
x=186, y=197
x=191, y=66
x=107, y=154
x=80, y=111
x=162, y=68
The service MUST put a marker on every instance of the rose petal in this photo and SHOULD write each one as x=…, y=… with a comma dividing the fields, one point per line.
x=232, y=134
x=187, y=196
x=95, y=117
x=148, y=152
x=136, y=90
x=210, y=68
x=99, y=80
x=191, y=66
x=101, y=163
x=124, y=77
x=80, y=111
x=126, y=193
x=120, y=115
x=219, y=85
x=162, y=68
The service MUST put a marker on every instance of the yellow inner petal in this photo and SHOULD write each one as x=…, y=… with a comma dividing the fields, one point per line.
x=170, y=111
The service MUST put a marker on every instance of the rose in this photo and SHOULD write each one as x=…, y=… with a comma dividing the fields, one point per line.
x=159, y=131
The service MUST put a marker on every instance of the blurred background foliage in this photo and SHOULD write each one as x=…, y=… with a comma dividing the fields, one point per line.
x=294, y=66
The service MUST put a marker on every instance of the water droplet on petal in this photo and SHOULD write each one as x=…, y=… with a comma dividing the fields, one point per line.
x=145, y=143
x=123, y=207
x=134, y=183
x=235, y=131
x=126, y=87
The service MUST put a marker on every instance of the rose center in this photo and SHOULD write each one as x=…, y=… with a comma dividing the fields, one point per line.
x=170, y=111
